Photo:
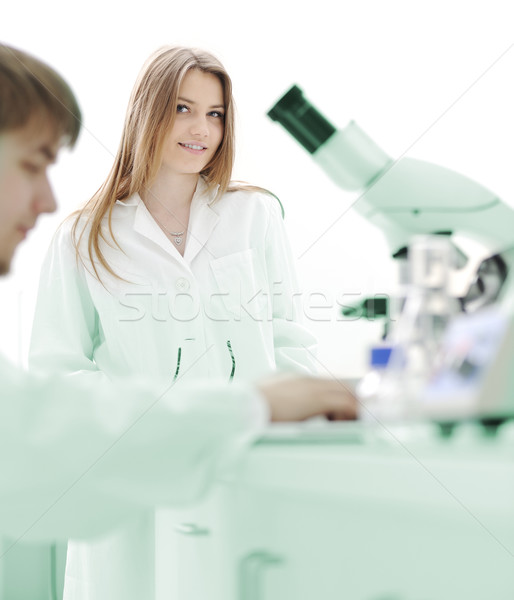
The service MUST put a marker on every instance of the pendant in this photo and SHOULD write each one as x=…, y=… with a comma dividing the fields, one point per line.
x=178, y=241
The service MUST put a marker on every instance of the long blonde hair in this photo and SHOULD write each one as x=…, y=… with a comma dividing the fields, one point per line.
x=150, y=116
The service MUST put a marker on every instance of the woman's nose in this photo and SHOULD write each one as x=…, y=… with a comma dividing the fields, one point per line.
x=199, y=126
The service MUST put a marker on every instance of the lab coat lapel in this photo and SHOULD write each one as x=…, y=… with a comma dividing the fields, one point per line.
x=202, y=221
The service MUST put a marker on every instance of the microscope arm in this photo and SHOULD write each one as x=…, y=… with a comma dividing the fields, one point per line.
x=408, y=197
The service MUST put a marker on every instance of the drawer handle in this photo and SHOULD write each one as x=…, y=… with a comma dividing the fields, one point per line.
x=191, y=529
x=251, y=569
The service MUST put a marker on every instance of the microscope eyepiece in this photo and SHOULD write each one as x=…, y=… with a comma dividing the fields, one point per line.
x=301, y=120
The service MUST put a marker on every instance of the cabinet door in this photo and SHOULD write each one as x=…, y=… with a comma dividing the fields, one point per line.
x=304, y=546
x=33, y=571
x=252, y=559
x=187, y=552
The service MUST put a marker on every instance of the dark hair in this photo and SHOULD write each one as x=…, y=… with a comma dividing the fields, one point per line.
x=31, y=89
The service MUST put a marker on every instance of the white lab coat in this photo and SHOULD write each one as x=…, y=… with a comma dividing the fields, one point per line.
x=78, y=459
x=228, y=309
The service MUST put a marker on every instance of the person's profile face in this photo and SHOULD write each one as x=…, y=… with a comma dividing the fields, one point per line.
x=199, y=124
x=25, y=191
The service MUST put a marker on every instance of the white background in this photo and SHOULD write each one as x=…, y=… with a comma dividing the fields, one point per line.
x=433, y=79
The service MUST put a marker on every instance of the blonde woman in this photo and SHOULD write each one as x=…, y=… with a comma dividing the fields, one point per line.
x=169, y=272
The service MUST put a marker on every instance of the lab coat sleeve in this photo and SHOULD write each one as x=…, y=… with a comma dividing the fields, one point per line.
x=78, y=457
x=295, y=346
x=65, y=327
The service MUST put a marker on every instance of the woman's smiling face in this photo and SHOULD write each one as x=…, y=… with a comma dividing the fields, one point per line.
x=199, y=124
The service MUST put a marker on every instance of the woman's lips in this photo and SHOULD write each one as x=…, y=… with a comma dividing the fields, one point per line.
x=193, y=148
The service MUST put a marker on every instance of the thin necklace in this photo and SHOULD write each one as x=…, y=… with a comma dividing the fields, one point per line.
x=176, y=236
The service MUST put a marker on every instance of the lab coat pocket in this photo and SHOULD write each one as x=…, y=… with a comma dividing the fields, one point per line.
x=242, y=284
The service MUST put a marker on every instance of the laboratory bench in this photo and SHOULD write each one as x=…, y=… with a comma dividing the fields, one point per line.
x=356, y=512
x=335, y=511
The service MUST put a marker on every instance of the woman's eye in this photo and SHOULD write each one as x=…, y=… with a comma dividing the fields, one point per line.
x=217, y=114
x=182, y=108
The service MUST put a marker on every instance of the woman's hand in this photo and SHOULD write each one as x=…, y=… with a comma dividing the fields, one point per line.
x=292, y=398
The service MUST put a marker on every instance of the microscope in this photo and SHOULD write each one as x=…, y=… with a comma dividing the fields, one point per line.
x=406, y=198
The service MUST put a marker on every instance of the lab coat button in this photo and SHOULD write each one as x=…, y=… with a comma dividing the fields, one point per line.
x=182, y=284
